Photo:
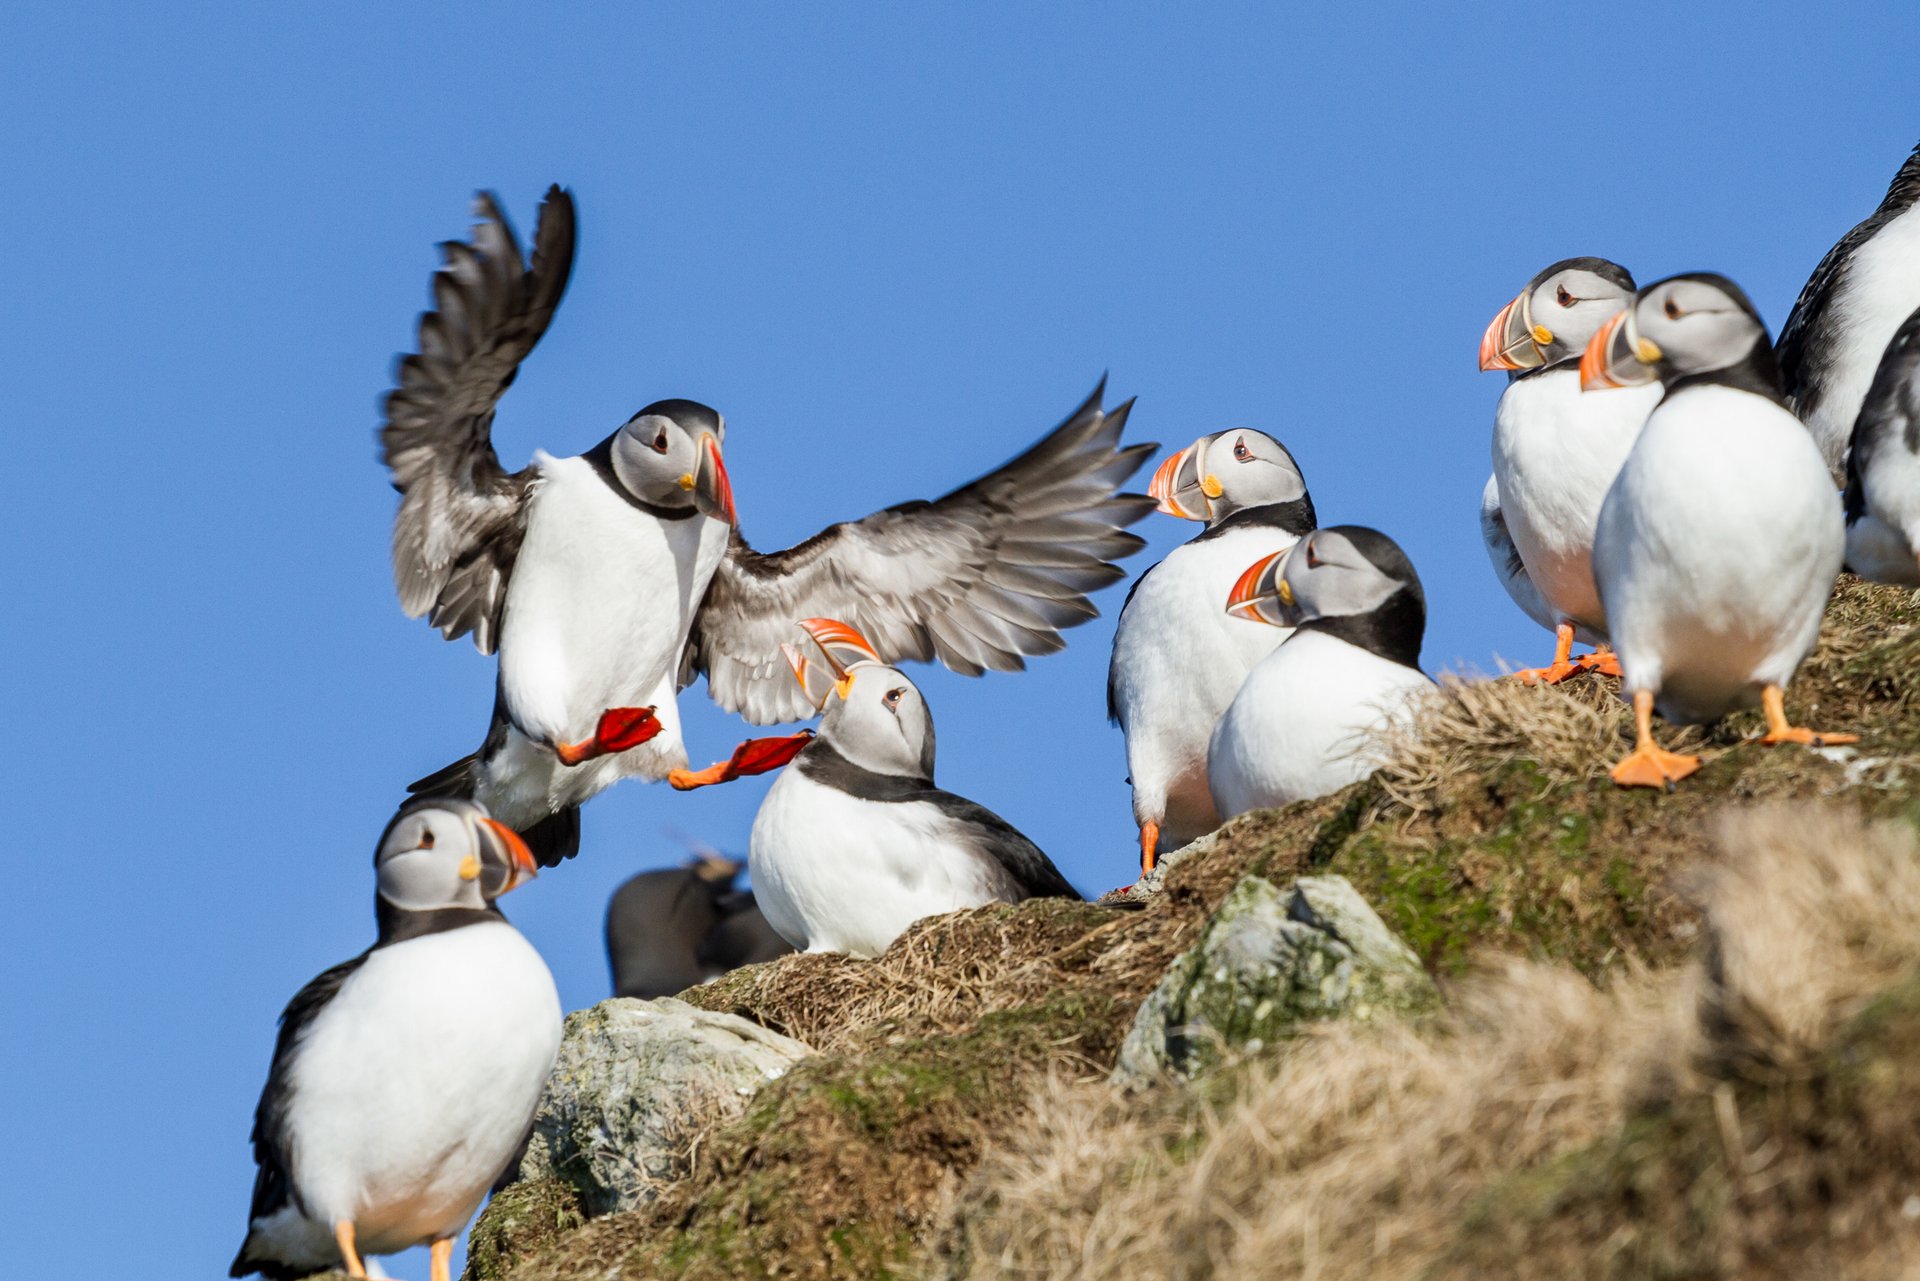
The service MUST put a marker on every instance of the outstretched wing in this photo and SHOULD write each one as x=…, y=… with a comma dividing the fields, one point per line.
x=462, y=516
x=977, y=579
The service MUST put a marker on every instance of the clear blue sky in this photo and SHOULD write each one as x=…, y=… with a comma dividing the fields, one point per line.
x=893, y=245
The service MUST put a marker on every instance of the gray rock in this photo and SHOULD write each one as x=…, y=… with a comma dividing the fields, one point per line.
x=636, y=1084
x=1267, y=963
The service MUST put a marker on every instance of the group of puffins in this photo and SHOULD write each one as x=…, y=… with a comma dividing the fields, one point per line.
x=1664, y=489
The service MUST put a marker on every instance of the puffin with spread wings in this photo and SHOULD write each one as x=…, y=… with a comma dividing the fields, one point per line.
x=607, y=581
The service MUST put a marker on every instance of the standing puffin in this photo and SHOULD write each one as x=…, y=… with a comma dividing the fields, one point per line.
x=676, y=927
x=1177, y=660
x=609, y=580
x=1847, y=313
x=853, y=842
x=1555, y=453
x=1349, y=666
x=404, y=1080
x=1719, y=543
x=1883, y=468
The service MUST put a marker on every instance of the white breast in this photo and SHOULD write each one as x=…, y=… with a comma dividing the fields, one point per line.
x=414, y=1086
x=1880, y=289
x=1556, y=451
x=1716, y=551
x=1301, y=722
x=597, y=614
x=834, y=873
x=1178, y=660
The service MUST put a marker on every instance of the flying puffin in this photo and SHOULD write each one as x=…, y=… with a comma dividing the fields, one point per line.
x=1883, y=468
x=1177, y=660
x=607, y=581
x=676, y=927
x=853, y=842
x=1719, y=543
x=1555, y=453
x=1847, y=313
x=1349, y=666
x=404, y=1080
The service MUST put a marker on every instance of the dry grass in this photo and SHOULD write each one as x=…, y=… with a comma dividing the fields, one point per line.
x=1389, y=1153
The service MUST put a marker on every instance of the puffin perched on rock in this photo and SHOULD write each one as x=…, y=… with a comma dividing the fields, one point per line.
x=404, y=1080
x=1883, y=468
x=1177, y=660
x=1847, y=313
x=1719, y=543
x=608, y=580
x=676, y=927
x=1555, y=454
x=854, y=842
x=1349, y=667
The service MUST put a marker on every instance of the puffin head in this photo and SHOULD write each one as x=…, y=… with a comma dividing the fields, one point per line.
x=1342, y=571
x=668, y=455
x=878, y=719
x=441, y=852
x=1556, y=315
x=1691, y=324
x=1227, y=472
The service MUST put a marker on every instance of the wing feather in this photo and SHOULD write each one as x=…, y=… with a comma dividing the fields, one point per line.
x=462, y=516
x=979, y=579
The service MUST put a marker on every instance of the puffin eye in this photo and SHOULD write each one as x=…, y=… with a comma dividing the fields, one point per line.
x=1240, y=451
x=426, y=839
x=1673, y=310
x=892, y=700
x=1564, y=298
x=660, y=442
x=1313, y=561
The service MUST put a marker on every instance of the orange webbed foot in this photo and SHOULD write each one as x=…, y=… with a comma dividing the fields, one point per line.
x=1649, y=766
x=1602, y=662
x=1808, y=737
x=620, y=728
x=755, y=756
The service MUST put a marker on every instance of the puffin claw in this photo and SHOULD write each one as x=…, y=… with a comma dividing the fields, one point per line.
x=1650, y=766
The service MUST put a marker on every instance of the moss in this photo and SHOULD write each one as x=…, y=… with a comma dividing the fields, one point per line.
x=521, y=1220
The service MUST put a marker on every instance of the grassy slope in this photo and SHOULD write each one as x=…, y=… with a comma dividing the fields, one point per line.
x=1497, y=835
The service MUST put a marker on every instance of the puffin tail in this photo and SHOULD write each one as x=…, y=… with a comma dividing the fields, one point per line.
x=450, y=780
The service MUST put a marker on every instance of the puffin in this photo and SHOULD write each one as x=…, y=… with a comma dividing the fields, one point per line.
x=1719, y=543
x=1847, y=312
x=405, y=1080
x=854, y=842
x=1177, y=660
x=1555, y=454
x=1349, y=667
x=1883, y=468
x=677, y=927
x=607, y=581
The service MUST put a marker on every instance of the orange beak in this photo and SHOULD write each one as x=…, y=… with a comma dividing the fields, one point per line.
x=1598, y=360
x=1509, y=342
x=712, y=489
x=521, y=858
x=1246, y=597
x=1179, y=475
x=839, y=647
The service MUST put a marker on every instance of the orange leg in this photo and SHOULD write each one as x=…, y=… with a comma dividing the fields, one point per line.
x=619, y=729
x=755, y=756
x=1561, y=668
x=1779, y=730
x=442, y=1264
x=1149, y=846
x=1647, y=765
x=343, y=1237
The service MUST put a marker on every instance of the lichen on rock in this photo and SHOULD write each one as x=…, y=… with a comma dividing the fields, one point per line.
x=635, y=1085
x=1267, y=964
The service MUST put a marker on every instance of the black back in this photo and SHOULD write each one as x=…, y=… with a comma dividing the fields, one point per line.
x=673, y=928
x=1807, y=341
x=986, y=831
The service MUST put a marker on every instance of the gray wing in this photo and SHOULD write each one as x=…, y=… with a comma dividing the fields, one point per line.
x=1505, y=558
x=991, y=836
x=977, y=579
x=462, y=517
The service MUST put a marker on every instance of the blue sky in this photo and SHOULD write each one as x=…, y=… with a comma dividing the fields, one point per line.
x=891, y=244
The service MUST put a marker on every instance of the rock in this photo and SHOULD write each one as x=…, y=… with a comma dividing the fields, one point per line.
x=1267, y=963
x=636, y=1084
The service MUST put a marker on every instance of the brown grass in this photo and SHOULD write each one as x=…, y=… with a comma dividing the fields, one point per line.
x=1393, y=1153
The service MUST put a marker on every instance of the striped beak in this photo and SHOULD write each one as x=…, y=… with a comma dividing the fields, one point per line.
x=1179, y=485
x=507, y=863
x=1513, y=341
x=820, y=663
x=712, y=490
x=1618, y=356
x=1261, y=594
